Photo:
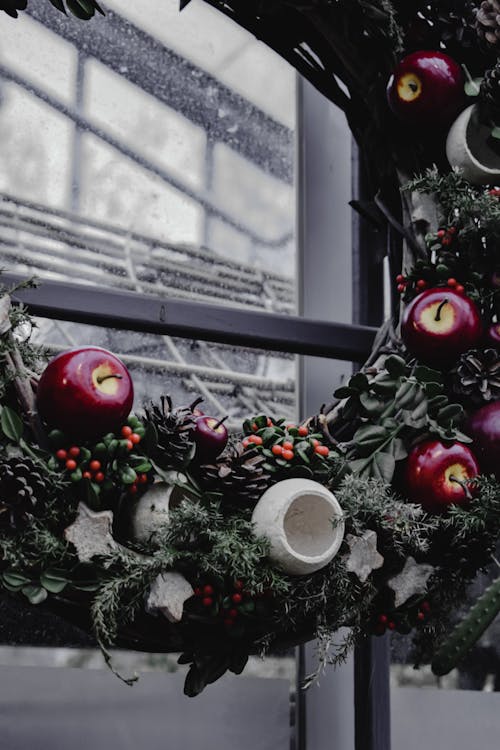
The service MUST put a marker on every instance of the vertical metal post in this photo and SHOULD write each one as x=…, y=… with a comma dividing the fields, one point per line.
x=78, y=133
x=325, y=713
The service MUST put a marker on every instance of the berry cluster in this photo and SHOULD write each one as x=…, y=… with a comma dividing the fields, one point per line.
x=107, y=465
x=228, y=603
x=285, y=445
x=421, y=284
x=401, y=622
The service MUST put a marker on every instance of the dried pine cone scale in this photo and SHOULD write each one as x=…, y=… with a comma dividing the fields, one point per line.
x=174, y=429
x=477, y=375
x=489, y=96
x=23, y=492
x=488, y=21
x=239, y=473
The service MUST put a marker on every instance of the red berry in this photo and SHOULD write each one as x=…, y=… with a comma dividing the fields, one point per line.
x=130, y=445
x=400, y=278
x=255, y=426
x=207, y=601
x=87, y=475
x=99, y=477
x=421, y=284
x=74, y=451
x=287, y=455
x=452, y=230
x=197, y=591
x=391, y=625
x=70, y=464
x=425, y=607
x=246, y=442
x=233, y=613
x=126, y=431
x=132, y=488
x=441, y=233
x=255, y=439
x=303, y=431
x=269, y=422
x=460, y=289
x=61, y=454
x=277, y=450
x=238, y=585
x=237, y=598
x=143, y=478
x=315, y=442
x=401, y=288
x=322, y=450
x=446, y=241
x=135, y=438
x=421, y=616
x=95, y=465
x=383, y=619
x=287, y=446
x=452, y=282
x=208, y=590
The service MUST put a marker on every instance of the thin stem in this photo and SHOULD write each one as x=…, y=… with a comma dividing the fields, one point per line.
x=440, y=308
x=102, y=378
x=464, y=485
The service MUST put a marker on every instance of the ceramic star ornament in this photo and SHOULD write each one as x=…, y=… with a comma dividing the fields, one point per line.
x=411, y=581
x=168, y=594
x=363, y=557
x=91, y=533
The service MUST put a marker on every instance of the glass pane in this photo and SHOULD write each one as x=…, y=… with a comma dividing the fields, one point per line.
x=173, y=175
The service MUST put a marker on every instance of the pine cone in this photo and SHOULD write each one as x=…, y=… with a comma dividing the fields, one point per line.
x=23, y=492
x=477, y=375
x=488, y=21
x=238, y=473
x=12, y=6
x=174, y=428
x=489, y=96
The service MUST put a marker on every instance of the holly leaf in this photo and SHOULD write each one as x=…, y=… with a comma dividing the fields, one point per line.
x=54, y=581
x=35, y=594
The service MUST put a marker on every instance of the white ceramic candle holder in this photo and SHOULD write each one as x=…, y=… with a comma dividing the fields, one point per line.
x=467, y=148
x=302, y=521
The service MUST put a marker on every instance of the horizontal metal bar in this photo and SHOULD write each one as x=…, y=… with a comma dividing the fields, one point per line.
x=195, y=320
x=171, y=79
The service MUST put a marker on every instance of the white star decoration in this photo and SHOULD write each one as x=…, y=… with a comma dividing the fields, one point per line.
x=91, y=533
x=412, y=580
x=168, y=594
x=363, y=557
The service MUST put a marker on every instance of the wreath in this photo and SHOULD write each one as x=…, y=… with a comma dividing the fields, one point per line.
x=159, y=531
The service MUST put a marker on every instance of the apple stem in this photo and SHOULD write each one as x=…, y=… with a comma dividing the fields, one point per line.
x=221, y=421
x=106, y=377
x=463, y=485
x=195, y=403
x=438, y=311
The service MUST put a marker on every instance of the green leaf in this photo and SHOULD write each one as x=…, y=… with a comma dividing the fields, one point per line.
x=384, y=465
x=128, y=475
x=395, y=365
x=35, y=594
x=143, y=467
x=359, y=382
x=472, y=85
x=450, y=413
x=344, y=392
x=54, y=581
x=426, y=374
x=59, y=5
x=370, y=434
x=11, y=423
x=398, y=449
x=15, y=580
x=371, y=404
x=495, y=132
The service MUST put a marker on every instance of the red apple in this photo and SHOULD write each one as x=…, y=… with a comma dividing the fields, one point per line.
x=439, y=325
x=437, y=474
x=427, y=90
x=484, y=428
x=493, y=335
x=85, y=392
x=210, y=435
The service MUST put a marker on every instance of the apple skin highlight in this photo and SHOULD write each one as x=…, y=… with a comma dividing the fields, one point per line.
x=85, y=392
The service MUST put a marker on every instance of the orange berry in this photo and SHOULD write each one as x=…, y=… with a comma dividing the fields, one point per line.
x=287, y=446
x=303, y=431
x=269, y=422
x=95, y=465
x=255, y=426
x=290, y=426
x=61, y=454
x=74, y=451
x=315, y=442
x=87, y=475
x=135, y=438
x=277, y=450
x=288, y=455
x=246, y=442
x=322, y=450
x=126, y=431
x=460, y=289
x=99, y=477
x=257, y=440
x=70, y=464
x=452, y=282
x=130, y=445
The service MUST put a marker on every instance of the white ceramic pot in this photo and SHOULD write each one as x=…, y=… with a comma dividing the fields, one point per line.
x=300, y=518
x=467, y=148
x=152, y=510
